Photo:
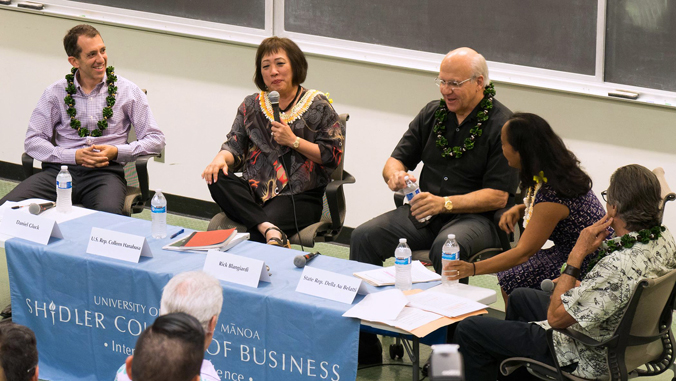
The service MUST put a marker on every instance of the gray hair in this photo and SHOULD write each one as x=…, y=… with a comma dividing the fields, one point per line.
x=635, y=191
x=195, y=293
x=480, y=68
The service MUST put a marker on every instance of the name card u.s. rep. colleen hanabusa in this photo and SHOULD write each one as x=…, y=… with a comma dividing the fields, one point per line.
x=236, y=269
x=30, y=227
x=328, y=285
x=123, y=246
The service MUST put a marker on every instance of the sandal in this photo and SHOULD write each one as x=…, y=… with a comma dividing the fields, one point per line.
x=282, y=242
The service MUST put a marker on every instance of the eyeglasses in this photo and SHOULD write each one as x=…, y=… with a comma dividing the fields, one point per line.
x=454, y=85
x=604, y=195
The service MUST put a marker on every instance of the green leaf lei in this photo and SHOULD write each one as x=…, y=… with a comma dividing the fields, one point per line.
x=627, y=241
x=441, y=114
x=107, y=110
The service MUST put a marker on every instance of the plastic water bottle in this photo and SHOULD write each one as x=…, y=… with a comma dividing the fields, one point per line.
x=410, y=191
x=450, y=252
x=158, y=207
x=64, y=190
x=402, y=266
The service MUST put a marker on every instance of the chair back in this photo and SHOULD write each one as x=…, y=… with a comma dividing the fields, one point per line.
x=667, y=194
x=648, y=315
x=337, y=175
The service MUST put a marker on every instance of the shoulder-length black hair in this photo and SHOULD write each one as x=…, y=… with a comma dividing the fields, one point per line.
x=540, y=149
x=296, y=57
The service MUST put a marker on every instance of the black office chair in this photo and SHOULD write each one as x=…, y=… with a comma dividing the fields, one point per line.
x=329, y=226
x=643, y=337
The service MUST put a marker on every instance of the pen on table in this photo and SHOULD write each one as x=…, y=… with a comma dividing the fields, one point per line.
x=19, y=206
x=177, y=233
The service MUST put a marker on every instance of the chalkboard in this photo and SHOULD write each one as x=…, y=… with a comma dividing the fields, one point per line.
x=549, y=34
x=247, y=13
x=641, y=43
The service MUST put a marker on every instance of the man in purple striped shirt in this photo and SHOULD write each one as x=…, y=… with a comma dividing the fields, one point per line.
x=72, y=125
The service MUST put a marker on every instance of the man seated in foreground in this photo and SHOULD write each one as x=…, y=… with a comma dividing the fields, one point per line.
x=593, y=306
x=197, y=294
x=170, y=349
x=18, y=353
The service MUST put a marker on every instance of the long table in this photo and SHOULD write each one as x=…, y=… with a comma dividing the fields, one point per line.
x=87, y=311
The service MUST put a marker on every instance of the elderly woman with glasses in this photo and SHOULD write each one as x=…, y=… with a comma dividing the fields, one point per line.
x=559, y=204
x=286, y=164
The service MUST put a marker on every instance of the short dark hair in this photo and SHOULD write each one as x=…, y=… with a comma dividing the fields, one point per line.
x=170, y=349
x=541, y=149
x=70, y=40
x=635, y=191
x=296, y=57
x=18, y=352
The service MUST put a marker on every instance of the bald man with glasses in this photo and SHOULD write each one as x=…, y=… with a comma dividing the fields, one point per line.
x=464, y=178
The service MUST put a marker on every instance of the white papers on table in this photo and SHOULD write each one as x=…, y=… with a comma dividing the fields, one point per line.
x=444, y=304
x=379, y=306
x=385, y=276
x=412, y=318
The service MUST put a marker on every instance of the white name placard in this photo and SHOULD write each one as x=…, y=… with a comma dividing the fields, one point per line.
x=328, y=285
x=30, y=227
x=236, y=269
x=123, y=246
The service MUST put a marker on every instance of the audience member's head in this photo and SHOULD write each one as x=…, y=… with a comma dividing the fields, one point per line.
x=18, y=353
x=197, y=294
x=634, y=196
x=170, y=349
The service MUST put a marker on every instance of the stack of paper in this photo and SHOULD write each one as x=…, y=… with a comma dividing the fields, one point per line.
x=415, y=310
x=210, y=240
x=385, y=276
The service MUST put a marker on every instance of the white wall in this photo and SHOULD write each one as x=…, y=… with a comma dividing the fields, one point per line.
x=194, y=87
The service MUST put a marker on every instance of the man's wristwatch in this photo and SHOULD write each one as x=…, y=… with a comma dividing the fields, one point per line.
x=570, y=270
x=296, y=143
x=448, y=204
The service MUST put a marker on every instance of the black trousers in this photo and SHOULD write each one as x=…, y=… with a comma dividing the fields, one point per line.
x=236, y=198
x=101, y=189
x=485, y=342
x=374, y=241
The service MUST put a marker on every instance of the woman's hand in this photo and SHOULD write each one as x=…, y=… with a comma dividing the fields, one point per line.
x=210, y=174
x=509, y=218
x=455, y=270
x=282, y=134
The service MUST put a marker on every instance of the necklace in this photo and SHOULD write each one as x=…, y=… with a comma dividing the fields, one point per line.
x=627, y=241
x=529, y=201
x=292, y=102
x=107, y=110
x=441, y=115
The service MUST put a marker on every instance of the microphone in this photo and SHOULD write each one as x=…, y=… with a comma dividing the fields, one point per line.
x=273, y=96
x=547, y=286
x=39, y=208
x=301, y=260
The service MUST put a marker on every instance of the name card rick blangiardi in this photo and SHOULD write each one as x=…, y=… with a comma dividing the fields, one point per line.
x=236, y=269
x=32, y=228
x=328, y=285
x=123, y=246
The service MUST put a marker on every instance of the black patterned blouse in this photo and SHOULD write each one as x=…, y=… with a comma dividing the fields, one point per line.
x=259, y=157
